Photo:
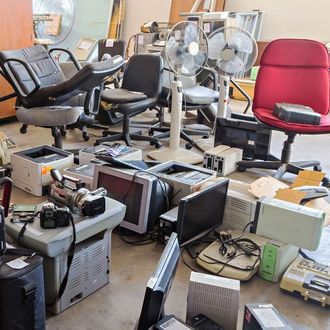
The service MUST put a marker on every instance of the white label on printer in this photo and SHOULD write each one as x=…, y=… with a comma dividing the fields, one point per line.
x=17, y=263
x=173, y=324
x=251, y=143
x=268, y=318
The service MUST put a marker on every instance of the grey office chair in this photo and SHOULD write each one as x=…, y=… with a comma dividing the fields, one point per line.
x=196, y=96
x=43, y=91
x=141, y=86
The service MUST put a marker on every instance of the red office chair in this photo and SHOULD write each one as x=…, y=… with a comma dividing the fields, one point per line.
x=293, y=71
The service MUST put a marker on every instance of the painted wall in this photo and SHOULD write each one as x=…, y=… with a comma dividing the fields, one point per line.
x=141, y=11
x=289, y=18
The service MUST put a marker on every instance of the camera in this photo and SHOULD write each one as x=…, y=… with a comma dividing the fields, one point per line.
x=73, y=194
x=52, y=216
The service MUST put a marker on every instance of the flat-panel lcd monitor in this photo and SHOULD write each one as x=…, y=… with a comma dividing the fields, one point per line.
x=201, y=212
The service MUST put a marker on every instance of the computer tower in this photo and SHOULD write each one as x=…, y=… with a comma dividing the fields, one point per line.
x=214, y=296
x=240, y=206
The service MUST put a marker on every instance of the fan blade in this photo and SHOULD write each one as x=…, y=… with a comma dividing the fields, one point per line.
x=191, y=34
x=232, y=67
x=216, y=45
x=188, y=65
x=174, y=51
x=241, y=42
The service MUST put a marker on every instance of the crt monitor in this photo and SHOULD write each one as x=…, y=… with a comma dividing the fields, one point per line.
x=201, y=212
x=159, y=285
x=144, y=195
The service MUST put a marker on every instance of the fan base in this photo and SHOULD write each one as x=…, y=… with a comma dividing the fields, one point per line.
x=181, y=155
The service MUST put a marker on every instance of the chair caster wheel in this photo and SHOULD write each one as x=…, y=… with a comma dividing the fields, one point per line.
x=23, y=130
x=317, y=168
x=104, y=133
x=189, y=146
x=241, y=169
x=158, y=144
x=151, y=132
x=85, y=136
x=63, y=132
x=326, y=182
x=205, y=137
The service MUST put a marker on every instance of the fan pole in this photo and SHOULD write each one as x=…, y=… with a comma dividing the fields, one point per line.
x=175, y=152
x=223, y=97
x=176, y=108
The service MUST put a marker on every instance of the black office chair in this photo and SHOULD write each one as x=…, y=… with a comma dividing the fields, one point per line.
x=42, y=90
x=141, y=86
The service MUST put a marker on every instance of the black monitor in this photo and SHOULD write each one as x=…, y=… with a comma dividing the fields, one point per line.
x=159, y=285
x=201, y=212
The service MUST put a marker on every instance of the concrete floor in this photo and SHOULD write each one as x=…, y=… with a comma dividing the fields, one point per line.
x=117, y=305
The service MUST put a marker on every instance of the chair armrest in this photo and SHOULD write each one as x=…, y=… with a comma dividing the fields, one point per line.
x=29, y=70
x=71, y=55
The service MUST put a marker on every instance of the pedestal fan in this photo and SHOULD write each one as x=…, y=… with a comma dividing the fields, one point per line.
x=232, y=52
x=186, y=52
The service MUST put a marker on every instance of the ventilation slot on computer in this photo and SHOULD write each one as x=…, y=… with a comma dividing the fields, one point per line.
x=96, y=270
x=97, y=251
x=75, y=282
x=76, y=262
x=237, y=204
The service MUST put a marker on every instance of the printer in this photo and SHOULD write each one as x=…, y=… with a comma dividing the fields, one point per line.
x=31, y=167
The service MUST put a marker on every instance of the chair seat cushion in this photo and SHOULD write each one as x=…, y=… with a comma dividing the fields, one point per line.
x=200, y=95
x=49, y=116
x=121, y=95
x=266, y=117
x=134, y=108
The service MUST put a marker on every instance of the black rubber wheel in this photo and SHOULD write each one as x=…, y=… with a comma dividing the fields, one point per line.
x=23, y=130
x=104, y=133
x=85, y=136
x=152, y=143
x=241, y=169
x=317, y=168
x=158, y=144
x=151, y=132
x=189, y=145
x=63, y=131
x=326, y=182
x=205, y=137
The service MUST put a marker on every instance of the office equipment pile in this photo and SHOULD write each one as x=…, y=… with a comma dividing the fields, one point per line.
x=226, y=231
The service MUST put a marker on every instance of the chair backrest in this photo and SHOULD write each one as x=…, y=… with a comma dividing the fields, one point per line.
x=45, y=68
x=294, y=71
x=144, y=73
x=112, y=47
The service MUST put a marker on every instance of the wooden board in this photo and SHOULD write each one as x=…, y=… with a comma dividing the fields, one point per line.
x=261, y=47
x=16, y=32
x=179, y=6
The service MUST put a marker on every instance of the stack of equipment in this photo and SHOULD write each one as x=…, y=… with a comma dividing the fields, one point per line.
x=222, y=159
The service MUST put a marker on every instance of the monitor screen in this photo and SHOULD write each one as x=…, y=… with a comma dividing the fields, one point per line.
x=124, y=191
x=159, y=285
x=201, y=212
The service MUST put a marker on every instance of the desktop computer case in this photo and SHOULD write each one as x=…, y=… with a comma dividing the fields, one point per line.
x=214, y=296
x=240, y=206
x=89, y=272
